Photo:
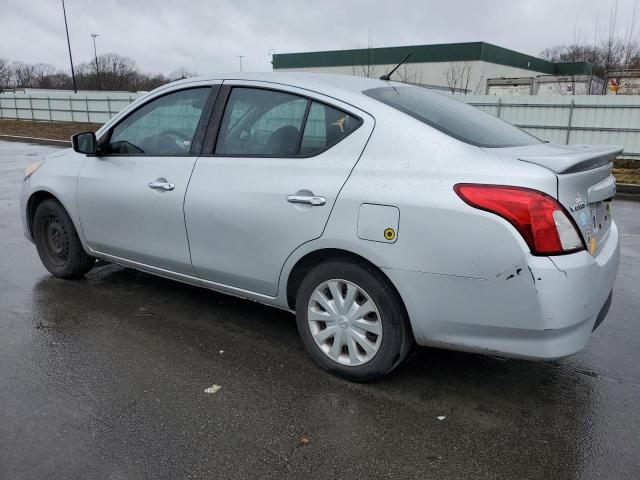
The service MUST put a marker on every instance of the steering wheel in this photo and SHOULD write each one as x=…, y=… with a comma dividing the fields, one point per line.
x=176, y=133
x=168, y=142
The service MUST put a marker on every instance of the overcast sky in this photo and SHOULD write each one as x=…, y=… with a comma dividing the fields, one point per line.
x=207, y=36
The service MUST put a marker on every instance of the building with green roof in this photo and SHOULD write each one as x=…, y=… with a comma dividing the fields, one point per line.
x=459, y=67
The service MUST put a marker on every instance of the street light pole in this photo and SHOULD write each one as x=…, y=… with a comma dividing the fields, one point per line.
x=73, y=75
x=270, y=53
x=240, y=57
x=95, y=54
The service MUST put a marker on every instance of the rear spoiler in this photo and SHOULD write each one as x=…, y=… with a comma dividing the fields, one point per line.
x=576, y=158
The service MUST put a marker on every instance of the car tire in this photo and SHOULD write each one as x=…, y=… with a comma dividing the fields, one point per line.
x=57, y=242
x=360, y=355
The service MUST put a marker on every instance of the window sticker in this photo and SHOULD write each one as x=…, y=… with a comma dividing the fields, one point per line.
x=340, y=123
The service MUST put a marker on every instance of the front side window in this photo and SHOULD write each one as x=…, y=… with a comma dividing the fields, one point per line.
x=165, y=126
x=260, y=122
x=453, y=117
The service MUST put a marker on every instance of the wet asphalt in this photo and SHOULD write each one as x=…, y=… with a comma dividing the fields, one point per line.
x=104, y=378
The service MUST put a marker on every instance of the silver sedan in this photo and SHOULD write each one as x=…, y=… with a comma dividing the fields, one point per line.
x=382, y=214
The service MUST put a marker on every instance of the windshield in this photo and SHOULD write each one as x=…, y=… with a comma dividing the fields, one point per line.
x=453, y=117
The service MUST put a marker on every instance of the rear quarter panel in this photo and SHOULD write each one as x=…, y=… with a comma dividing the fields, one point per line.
x=414, y=167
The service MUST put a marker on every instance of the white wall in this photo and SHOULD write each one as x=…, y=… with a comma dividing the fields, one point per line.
x=61, y=106
x=432, y=73
x=510, y=89
x=595, y=118
x=629, y=85
x=564, y=87
x=573, y=119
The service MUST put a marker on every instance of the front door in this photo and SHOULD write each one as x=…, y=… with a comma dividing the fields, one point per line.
x=276, y=168
x=131, y=196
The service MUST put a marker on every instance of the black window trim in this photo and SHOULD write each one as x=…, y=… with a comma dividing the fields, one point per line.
x=197, y=142
x=213, y=130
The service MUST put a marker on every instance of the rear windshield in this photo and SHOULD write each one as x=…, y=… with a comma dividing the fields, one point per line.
x=453, y=117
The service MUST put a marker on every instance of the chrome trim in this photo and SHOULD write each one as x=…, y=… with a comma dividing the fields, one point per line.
x=165, y=186
x=307, y=200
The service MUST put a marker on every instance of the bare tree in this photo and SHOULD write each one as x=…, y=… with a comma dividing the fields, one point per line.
x=116, y=73
x=408, y=74
x=24, y=75
x=480, y=86
x=607, y=55
x=613, y=48
x=573, y=54
x=631, y=49
x=452, y=77
x=458, y=76
x=367, y=68
x=467, y=74
x=5, y=74
x=181, y=73
x=43, y=73
x=610, y=53
x=59, y=80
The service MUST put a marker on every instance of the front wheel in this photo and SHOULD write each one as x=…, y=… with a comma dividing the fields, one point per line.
x=351, y=320
x=57, y=242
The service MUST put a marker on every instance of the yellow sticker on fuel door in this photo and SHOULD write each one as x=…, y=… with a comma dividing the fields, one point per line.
x=389, y=234
x=592, y=246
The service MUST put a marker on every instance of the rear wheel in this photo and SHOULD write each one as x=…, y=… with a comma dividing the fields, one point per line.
x=57, y=242
x=351, y=320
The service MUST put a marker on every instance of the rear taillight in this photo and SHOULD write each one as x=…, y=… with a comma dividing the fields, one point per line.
x=540, y=219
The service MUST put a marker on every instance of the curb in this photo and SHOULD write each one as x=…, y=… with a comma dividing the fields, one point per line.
x=40, y=141
x=628, y=191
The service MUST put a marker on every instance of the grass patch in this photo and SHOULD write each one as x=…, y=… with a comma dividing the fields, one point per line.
x=50, y=130
x=627, y=175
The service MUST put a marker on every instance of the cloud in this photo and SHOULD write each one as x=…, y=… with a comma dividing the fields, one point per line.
x=207, y=36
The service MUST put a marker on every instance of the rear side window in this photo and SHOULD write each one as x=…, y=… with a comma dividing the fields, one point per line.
x=325, y=127
x=258, y=122
x=261, y=122
x=453, y=117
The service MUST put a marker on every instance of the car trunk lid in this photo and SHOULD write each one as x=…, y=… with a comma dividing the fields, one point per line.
x=585, y=183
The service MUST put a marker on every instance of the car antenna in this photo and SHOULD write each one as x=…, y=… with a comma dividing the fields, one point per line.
x=388, y=75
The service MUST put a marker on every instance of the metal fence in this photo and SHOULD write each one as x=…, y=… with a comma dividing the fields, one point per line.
x=95, y=107
x=579, y=119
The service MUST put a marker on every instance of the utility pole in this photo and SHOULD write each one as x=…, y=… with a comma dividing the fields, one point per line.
x=240, y=57
x=73, y=75
x=95, y=54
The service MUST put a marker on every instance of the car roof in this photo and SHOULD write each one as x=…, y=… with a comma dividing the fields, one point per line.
x=326, y=83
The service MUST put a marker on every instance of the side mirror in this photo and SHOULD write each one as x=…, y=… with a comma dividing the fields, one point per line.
x=84, y=143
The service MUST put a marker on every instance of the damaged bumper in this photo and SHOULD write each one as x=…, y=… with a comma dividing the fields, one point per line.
x=542, y=308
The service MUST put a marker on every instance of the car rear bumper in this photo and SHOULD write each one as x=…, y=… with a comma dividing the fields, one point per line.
x=541, y=308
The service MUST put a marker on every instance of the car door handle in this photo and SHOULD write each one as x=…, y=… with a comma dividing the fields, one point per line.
x=162, y=185
x=307, y=199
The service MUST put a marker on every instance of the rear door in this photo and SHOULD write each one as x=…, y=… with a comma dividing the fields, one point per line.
x=130, y=197
x=268, y=181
